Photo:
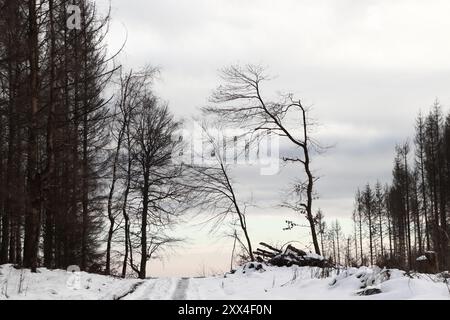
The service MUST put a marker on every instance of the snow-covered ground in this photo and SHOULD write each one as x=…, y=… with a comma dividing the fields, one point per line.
x=294, y=283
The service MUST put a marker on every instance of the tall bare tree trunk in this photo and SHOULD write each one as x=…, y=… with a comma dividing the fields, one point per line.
x=408, y=213
x=144, y=217
x=85, y=164
x=380, y=222
x=240, y=214
x=124, y=206
x=310, y=186
x=110, y=203
x=32, y=223
x=48, y=176
x=360, y=236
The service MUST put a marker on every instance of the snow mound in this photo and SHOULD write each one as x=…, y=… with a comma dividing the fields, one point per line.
x=60, y=285
x=313, y=283
x=391, y=284
x=251, y=267
x=422, y=258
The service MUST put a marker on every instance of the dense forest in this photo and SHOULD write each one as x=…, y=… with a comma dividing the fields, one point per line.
x=405, y=222
x=52, y=126
x=408, y=217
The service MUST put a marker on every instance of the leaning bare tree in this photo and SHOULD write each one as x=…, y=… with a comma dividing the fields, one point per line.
x=239, y=102
x=214, y=192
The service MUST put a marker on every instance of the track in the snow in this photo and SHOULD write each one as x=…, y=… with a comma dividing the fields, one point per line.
x=131, y=291
x=181, y=289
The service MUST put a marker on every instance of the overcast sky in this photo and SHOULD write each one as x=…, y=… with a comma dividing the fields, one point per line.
x=367, y=67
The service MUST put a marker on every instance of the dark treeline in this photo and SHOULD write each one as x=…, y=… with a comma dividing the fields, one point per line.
x=52, y=120
x=400, y=222
x=68, y=155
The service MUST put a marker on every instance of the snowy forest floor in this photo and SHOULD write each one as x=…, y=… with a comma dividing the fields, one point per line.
x=293, y=283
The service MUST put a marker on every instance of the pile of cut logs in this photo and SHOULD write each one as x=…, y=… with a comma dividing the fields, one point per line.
x=289, y=256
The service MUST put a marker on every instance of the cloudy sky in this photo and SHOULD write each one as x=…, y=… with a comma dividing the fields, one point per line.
x=366, y=67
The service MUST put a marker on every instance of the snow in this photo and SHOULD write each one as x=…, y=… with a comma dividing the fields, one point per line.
x=305, y=283
x=60, y=285
x=422, y=258
x=267, y=283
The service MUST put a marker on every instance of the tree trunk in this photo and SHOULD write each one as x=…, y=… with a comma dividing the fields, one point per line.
x=360, y=236
x=48, y=176
x=145, y=204
x=310, y=186
x=408, y=214
x=390, y=237
x=32, y=223
x=239, y=213
x=124, y=206
x=110, y=200
x=381, y=233
x=85, y=164
x=369, y=214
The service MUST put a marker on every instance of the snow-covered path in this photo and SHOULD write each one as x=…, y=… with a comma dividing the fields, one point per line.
x=160, y=289
x=154, y=289
x=181, y=289
x=295, y=283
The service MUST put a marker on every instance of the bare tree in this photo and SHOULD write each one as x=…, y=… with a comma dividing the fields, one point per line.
x=213, y=186
x=322, y=225
x=131, y=86
x=419, y=143
x=403, y=152
x=338, y=230
x=249, y=109
x=368, y=209
x=379, y=213
x=155, y=178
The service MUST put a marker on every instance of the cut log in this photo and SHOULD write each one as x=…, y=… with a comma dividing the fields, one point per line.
x=270, y=254
x=290, y=256
x=263, y=254
x=270, y=247
x=292, y=249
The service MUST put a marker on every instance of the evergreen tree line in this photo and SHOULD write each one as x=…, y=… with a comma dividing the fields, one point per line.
x=52, y=132
x=397, y=223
